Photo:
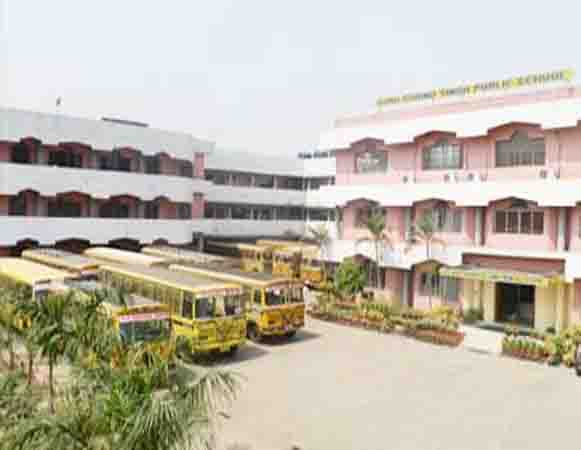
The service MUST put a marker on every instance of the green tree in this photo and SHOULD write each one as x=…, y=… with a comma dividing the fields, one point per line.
x=425, y=231
x=350, y=277
x=54, y=331
x=380, y=237
x=8, y=326
x=320, y=234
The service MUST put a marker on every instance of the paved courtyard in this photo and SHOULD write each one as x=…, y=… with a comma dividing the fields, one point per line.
x=337, y=388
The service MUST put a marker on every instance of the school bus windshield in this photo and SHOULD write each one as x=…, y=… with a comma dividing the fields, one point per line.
x=281, y=295
x=218, y=306
x=144, y=331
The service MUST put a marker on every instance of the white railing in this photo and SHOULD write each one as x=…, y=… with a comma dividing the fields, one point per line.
x=49, y=181
x=47, y=230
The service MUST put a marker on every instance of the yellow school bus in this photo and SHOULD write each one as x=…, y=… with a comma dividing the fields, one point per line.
x=275, y=307
x=38, y=279
x=177, y=255
x=139, y=320
x=77, y=265
x=253, y=258
x=299, y=262
x=116, y=256
x=208, y=314
x=276, y=244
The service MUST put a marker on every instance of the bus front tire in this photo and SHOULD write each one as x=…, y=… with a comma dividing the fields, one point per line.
x=254, y=333
x=291, y=334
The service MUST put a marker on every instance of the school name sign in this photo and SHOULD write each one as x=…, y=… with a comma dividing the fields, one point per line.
x=476, y=88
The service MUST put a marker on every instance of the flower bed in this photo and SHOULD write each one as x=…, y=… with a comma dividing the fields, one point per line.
x=524, y=348
x=438, y=327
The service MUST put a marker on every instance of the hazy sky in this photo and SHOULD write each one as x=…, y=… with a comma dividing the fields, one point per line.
x=266, y=76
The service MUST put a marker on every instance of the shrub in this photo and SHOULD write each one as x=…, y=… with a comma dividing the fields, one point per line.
x=473, y=315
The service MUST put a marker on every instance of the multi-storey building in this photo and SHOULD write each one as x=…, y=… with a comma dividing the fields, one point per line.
x=500, y=175
x=72, y=182
x=256, y=195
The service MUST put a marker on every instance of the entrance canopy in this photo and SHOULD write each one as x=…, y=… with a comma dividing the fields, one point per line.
x=501, y=276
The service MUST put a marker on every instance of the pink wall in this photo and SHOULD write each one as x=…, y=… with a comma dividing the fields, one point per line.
x=5, y=149
x=574, y=231
x=3, y=205
x=393, y=284
x=198, y=206
x=546, y=241
x=199, y=165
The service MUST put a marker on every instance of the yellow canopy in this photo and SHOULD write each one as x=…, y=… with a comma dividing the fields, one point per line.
x=499, y=276
x=125, y=257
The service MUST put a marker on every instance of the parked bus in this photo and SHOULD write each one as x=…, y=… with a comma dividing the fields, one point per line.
x=299, y=262
x=177, y=255
x=78, y=265
x=276, y=244
x=115, y=256
x=138, y=319
x=276, y=305
x=253, y=258
x=37, y=278
x=208, y=313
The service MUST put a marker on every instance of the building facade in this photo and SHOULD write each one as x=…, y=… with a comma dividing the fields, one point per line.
x=500, y=178
x=74, y=182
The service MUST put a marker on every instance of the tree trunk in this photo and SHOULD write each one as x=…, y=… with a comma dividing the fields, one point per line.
x=377, y=270
x=11, y=352
x=30, y=371
x=51, y=384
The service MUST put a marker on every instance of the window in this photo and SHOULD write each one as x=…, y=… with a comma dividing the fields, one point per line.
x=520, y=151
x=184, y=211
x=263, y=213
x=123, y=164
x=434, y=285
x=318, y=214
x=151, y=210
x=20, y=154
x=362, y=215
x=293, y=183
x=63, y=208
x=240, y=212
x=241, y=180
x=442, y=155
x=187, y=306
x=63, y=158
x=17, y=206
x=447, y=220
x=186, y=169
x=264, y=181
x=519, y=221
x=152, y=165
x=371, y=162
x=114, y=210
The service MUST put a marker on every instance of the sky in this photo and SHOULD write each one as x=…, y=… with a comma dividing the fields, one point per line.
x=266, y=76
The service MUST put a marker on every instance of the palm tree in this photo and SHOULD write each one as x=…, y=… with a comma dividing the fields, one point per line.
x=8, y=326
x=320, y=234
x=425, y=230
x=380, y=237
x=54, y=331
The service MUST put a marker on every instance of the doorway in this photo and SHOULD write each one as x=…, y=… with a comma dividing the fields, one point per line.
x=515, y=303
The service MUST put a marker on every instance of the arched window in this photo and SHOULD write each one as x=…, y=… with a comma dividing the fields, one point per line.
x=20, y=154
x=446, y=219
x=520, y=151
x=371, y=162
x=442, y=155
x=519, y=218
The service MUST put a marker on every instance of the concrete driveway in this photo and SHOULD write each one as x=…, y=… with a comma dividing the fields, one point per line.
x=336, y=388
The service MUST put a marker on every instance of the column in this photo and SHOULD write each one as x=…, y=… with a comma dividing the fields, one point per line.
x=561, y=313
x=141, y=209
x=274, y=213
x=561, y=225
x=407, y=281
x=478, y=227
x=407, y=220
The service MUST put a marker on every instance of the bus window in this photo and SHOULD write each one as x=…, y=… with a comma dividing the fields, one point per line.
x=204, y=308
x=257, y=297
x=187, y=306
x=276, y=296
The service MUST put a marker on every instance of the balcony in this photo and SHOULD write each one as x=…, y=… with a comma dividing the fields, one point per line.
x=254, y=195
x=248, y=228
x=49, y=181
x=48, y=230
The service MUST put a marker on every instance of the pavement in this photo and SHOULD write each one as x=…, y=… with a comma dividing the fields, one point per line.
x=480, y=340
x=339, y=388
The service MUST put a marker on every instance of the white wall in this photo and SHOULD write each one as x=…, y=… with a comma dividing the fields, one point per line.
x=253, y=195
x=48, y=181
x=49, y=230
x=54, y=128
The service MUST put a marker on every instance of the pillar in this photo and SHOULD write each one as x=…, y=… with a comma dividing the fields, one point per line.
x=561, y=226
x=406, y=288
x=478, y=222
x=407, y=220
x=561, y=305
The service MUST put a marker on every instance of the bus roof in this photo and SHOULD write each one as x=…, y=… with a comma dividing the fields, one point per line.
x=305, y=250
x=179, y=254
x=277, y=243
x=261, y=279
x=29, y=272
x=122, y=256
x=240, y=246
x=170, y=278
x=61, y=259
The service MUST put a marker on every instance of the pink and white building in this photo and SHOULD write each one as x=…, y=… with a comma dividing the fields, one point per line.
x=501, y=177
